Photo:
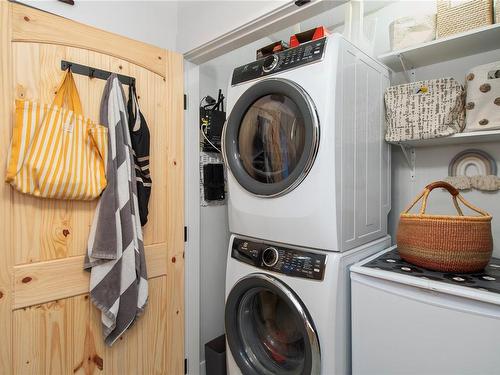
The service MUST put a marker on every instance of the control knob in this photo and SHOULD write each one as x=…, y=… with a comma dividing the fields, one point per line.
x=270, y=63
x=270, y=257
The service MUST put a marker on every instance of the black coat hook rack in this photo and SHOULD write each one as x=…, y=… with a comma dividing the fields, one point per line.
x=94, y=72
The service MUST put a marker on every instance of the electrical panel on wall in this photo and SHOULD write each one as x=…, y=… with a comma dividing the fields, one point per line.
x=212, y=180
x=212, y=171
x=212, y=118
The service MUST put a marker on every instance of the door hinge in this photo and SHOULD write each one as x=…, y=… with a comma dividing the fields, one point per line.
x=185, y=366
x=185, y=102
x=185, y=234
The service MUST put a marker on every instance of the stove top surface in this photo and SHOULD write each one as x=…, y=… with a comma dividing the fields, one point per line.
x=487, y=280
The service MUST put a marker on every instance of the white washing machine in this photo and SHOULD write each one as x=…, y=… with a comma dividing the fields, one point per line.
x=304, y=145
x=288, y=308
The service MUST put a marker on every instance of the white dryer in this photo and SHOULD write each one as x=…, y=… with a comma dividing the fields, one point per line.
x=304, y=146
x=288, y=308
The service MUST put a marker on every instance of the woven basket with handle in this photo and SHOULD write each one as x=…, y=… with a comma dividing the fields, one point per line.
x=445, y=243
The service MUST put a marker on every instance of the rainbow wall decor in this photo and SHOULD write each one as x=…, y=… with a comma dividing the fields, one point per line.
x=473, y=169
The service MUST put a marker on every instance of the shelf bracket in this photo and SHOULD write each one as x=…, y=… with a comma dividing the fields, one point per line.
x=410, y=156
x=409, y=73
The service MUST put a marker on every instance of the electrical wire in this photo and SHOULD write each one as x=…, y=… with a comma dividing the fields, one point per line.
x=208, y=140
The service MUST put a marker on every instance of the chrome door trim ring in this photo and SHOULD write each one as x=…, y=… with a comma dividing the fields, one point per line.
x=256, y=280
x=312, y=126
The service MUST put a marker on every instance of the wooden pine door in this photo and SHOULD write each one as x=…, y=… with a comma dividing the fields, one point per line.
x=47, y=323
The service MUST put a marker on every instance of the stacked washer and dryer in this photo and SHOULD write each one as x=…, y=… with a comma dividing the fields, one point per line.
x=309, y=195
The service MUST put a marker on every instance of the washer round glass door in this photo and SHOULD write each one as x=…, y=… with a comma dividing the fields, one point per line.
x=271, y=137
x=268, y=329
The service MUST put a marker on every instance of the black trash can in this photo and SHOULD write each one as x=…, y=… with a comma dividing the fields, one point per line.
x=215, y=356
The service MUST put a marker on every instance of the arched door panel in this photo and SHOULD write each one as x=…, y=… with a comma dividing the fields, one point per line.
x=48, y=324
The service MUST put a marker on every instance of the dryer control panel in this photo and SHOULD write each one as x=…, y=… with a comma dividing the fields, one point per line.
x=291, y=262
x=291, y=58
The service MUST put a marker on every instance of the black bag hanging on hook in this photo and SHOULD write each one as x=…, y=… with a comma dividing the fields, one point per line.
x=139, y=135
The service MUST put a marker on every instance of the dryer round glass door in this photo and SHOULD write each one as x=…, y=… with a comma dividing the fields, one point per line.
x=269, y=330
x=271, y=137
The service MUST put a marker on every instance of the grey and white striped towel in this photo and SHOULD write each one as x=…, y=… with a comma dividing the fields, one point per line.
x=115, y=254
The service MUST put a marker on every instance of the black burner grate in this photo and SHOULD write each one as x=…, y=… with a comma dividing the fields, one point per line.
x=487, y=280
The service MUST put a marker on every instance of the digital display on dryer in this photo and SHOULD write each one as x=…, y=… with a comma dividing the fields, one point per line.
x=302, y=264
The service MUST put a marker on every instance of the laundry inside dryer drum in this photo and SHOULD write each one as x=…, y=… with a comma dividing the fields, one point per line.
x=270, y=327
x=268, y=331
x=271, y=137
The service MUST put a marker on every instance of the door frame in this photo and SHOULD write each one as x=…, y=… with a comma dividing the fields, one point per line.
x=192, y=220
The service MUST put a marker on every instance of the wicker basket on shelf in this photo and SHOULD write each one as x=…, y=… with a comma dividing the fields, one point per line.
x=445, y=243
x=455, y=17
x=497, y=11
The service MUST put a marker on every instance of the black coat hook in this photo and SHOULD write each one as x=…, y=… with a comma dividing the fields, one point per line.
x=65, y=65
x=94, y=72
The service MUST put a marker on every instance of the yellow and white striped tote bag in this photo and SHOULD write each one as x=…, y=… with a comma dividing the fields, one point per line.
x=55, y=151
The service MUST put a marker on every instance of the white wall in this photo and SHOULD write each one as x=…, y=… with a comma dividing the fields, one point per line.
x=153, y=22
x=203, y=21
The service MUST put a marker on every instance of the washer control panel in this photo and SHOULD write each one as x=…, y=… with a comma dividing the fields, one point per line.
x=291, y=58
x=291, y=262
